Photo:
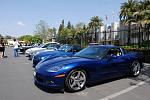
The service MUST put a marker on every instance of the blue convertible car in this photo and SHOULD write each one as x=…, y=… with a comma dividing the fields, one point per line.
x=90, y=65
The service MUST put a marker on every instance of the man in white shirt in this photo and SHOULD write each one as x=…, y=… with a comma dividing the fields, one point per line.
x=16, y=48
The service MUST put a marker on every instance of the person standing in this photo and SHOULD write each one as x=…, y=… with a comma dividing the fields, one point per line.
x=16, y=48
x=1, y=48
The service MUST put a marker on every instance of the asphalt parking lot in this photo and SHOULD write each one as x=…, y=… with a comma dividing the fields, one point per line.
x=16, y=83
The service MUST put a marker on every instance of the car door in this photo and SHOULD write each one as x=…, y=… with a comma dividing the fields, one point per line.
x=123, y=62
x=110, y=65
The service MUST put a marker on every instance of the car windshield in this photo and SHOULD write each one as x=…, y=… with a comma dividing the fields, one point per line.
x=92, y=52
x=65, y=48
x=53, y=46
x=41, y=45
x=46, y=45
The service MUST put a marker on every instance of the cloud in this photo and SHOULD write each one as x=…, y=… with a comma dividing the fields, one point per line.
x=21, y=23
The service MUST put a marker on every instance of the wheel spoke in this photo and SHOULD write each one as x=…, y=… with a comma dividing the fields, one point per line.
x=135, y=69
x=79, y=85
x=78, y=75
x=72, y=77
x=73, y=84
x=82, y=78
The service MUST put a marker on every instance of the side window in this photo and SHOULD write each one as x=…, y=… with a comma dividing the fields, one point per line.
x=77, y=48
x=57, y=46
x=115, y=52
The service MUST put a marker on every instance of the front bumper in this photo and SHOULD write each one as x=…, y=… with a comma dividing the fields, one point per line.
x=49, y=81
x=35, y=62
x=30, y=56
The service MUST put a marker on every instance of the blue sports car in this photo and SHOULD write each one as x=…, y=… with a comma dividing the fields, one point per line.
x=90, y=65
x=64, y=50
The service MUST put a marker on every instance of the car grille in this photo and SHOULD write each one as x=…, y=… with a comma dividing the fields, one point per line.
x=39, y=79
x=35, y=62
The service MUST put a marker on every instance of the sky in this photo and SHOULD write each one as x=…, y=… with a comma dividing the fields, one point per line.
x=20, y=17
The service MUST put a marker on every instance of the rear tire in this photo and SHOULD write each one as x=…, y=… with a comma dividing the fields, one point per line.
x=76, y=80
x=135, y=68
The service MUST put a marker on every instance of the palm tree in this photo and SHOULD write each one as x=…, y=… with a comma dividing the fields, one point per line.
x=126, y=14
x=94, y=24
x=142, y=15
x=146, y=11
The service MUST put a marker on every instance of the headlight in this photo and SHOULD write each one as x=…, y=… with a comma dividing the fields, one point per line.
x=33, y=54
x=37, y=53
x=37, y=66
x=42, y=58
x=27, y=51
x=55, y=68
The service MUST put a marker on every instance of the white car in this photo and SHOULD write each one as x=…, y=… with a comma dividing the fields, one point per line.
x=32, y=51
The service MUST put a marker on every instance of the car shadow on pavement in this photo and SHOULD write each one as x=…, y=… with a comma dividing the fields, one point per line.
x=105, y=81
x=48, y=90
x=145, y=74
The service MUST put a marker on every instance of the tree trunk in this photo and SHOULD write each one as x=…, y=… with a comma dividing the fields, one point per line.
x=95, y=35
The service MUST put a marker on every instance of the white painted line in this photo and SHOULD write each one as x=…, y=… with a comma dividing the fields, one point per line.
x=124, y=91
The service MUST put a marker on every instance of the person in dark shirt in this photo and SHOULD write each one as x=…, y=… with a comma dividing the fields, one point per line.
x=2, y=48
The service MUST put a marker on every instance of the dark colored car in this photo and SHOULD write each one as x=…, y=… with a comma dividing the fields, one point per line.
x=64, y=50
x=90, y=65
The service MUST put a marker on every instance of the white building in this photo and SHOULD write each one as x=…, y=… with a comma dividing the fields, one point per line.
x=117, y=33
x=108, y=34
x=10, y=41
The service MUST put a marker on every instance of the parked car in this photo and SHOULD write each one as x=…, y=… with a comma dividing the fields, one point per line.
x=24, y=48
x=51, y=47
x=90, y=65
x=64, y=50
x=31, y=52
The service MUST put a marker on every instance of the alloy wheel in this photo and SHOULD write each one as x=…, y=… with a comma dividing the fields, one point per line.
x=76, y=80
x=136, y=68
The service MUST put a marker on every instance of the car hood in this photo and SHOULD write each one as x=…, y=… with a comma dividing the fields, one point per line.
x=36, y=49
x=64, y=61
x=31, y=49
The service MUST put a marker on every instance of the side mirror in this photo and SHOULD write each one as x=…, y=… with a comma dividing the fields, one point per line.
x=74, y=50
x=111, y=56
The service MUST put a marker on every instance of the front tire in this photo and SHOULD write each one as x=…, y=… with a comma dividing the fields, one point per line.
x=135, y=68
x=76, y=80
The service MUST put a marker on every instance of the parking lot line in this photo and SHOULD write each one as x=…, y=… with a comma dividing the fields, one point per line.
x=124, y=91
